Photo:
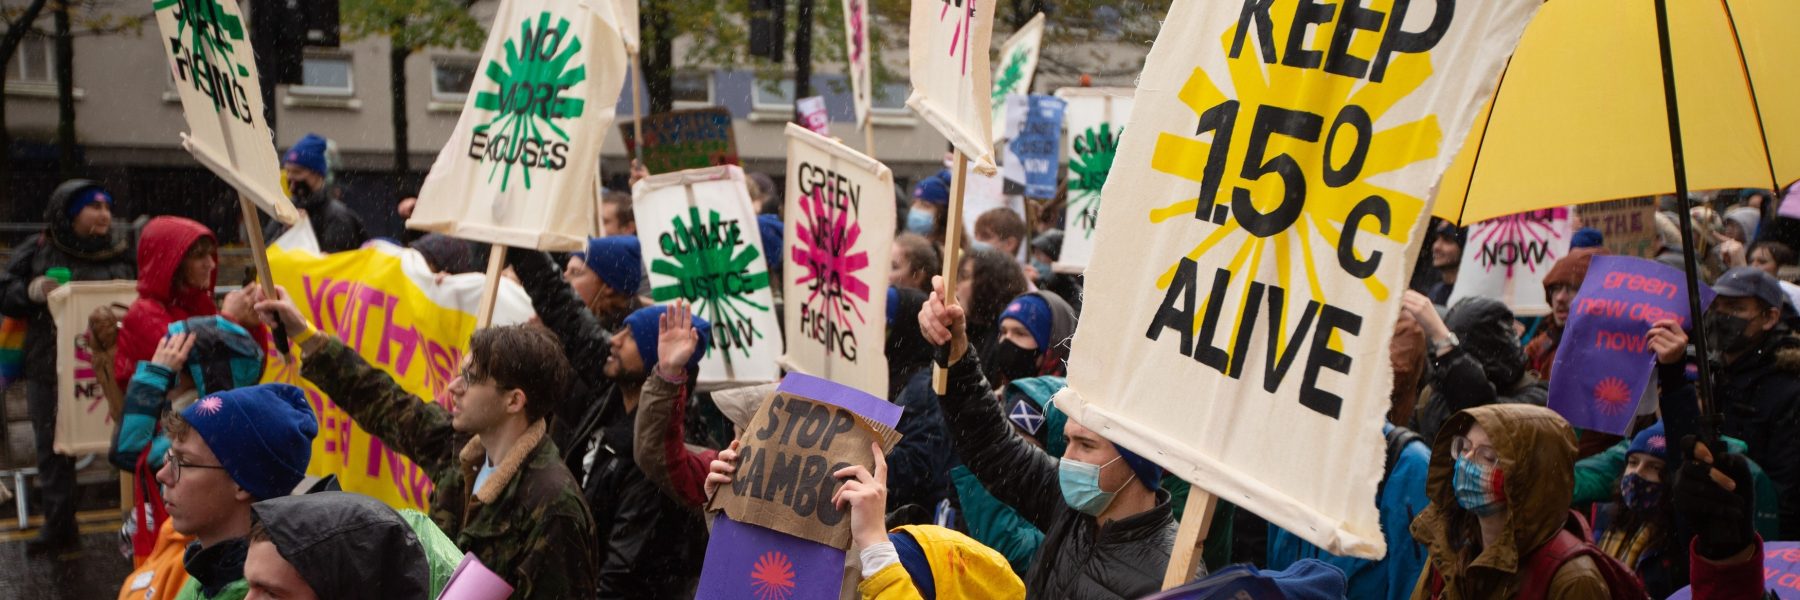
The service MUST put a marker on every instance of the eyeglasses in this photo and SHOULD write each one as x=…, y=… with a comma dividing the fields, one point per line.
x=469, y=376
x=176, y=464
x=1461, y=447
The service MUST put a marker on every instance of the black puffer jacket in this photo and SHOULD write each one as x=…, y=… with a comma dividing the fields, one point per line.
x=1079, y=557
x=347, y=546
x=650, y=546
x=1760, y=398
x=1488, y=366
x=88, y=259
x=338, y=228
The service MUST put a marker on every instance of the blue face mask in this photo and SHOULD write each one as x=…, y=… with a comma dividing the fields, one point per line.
x=1080, y=484
x=1478, y=488
x=921, y=222
x=1043, y=268
x=1640, y=494
x=980, y=245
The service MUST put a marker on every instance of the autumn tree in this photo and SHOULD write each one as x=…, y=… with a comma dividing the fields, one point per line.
x=410, y=26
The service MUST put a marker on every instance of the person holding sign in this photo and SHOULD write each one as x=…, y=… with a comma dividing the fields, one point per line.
x=310, y=177
x=1475, y=358
x=79, y=244
x=178, y=263
x=505, y=495
x=1111, y=530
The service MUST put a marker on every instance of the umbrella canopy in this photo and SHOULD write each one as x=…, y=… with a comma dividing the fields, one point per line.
x=1580, y=115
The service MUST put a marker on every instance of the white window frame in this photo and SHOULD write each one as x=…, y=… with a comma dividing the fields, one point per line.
x=712, y=91
x=891, y=111
x=457, y=98
x=14, y=70
x=348, y=91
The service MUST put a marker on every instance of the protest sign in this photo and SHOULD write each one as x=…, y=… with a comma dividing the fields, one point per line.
x=1604, y=360
x=1095, y=118
x=1506, y=259
x=383, y=302
x=1018, y=63
x=84, y=423
x=948, y=49
x=982, y=193
x=685, y=139
x=1628, y=227
x=701, y=242
x=857, y=48
x=1780, y=569
x=1255, y=236
x=812, y=113
x=624, y=17
x=809, y=429
x=767, y=563
x=221, y=98
x=519, y=167
x=1035, y=152
x=839, y=233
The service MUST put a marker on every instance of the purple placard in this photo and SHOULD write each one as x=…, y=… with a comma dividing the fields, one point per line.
x=1781, y=571
x=1604, y=360
x=748, y=561
x=843, y=396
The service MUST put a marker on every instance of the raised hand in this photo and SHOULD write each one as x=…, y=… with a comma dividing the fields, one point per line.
x=1669, y=341
x=278, y=309
x=676, y=340
x=944, y=324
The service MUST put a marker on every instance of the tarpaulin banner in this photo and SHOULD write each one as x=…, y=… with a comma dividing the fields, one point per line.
x=520, y=165
x=1256, y=232
x=702, y=244
x=948, y=48
x=1506, y=259
x=778, y=534
x=857, y=48
x=839, y=234
x=215, y=74
x=84, y=423
x=1604, y=360
x=1034, y=154
x=1094, y=119
x=685, y=139
x=383, y=302
x=1628, y=227
x=1018, y=64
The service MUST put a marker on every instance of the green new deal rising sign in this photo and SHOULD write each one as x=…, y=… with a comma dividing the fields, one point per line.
x=527, y=95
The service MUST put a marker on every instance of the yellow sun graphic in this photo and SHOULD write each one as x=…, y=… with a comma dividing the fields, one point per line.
x=1282, y=167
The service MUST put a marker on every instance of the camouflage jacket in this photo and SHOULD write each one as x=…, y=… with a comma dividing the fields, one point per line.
x=528, y=522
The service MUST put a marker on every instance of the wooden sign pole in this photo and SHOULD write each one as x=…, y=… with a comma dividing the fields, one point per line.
x=1190, y=539
x=869, y=136
x=490, y=291
x=940, y=376
x=637, y=110
x=259, y=253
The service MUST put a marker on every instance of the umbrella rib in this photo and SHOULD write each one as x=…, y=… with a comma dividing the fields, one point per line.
x=1750, y=82
x=1475, y=163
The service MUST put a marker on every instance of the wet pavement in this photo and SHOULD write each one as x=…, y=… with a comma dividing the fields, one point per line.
x=95, y=571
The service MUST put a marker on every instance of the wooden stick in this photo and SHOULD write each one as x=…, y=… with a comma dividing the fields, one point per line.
x=1196, y=521
x=869, y=137
x=940, y=376
x=260, y=254
x=490, y=291
x=637, y=109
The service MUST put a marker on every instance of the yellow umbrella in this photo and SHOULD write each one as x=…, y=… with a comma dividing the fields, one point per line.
x=1580, y=114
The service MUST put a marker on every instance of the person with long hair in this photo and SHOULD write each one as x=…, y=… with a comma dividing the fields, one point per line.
x=986, y=284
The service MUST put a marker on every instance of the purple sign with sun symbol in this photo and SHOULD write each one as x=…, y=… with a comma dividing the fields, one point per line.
x=1604, y=360
x=745, y=561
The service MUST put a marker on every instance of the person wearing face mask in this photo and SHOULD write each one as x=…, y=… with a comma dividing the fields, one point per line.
x=930, y=199
x=311, y=184
x=1032, y=331
x=1475, y=360
x=1638, y=527
x=1499, y=484
x=1109, y=532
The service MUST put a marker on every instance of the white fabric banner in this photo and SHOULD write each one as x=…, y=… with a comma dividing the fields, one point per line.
x=83, y=418
x=839, y=235
x=702, y=244
x=1255, y=237
x=948, y=52
x=519, y=167
x=856, y=40
x=221, y=97
x=1093, y=121
x=1506, y=259
x=624, y=17
x=1018, y=64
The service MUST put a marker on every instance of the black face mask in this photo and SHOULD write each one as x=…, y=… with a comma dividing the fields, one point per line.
x=1010, y=362
x=1728, y=333
x=304, y=194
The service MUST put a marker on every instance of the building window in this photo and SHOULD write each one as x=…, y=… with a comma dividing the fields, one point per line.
x=34, y=62
x=890, y=98
x=773, y=96
x=451, y=78
x=692, y=89
x=326, y=75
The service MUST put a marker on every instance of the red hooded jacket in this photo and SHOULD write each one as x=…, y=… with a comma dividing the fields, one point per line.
x=162, y=245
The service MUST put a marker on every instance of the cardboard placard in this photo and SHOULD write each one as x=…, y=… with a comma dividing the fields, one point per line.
x=84, y=422
x=1627, y=227
x=685, y=139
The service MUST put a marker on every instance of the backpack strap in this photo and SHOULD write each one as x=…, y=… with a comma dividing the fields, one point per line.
x=1541, y=567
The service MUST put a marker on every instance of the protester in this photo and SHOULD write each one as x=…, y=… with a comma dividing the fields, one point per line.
x=764, y=197
x=445, y=254
x=80, y=238
x=343, y=546
x=1446, y=256
x=606, y=277
x=993, y=523
x=178, y=261
x=1668, y=241
x=906, y=349
x=1475, y=360
x=1034, y=330
x=986, y=284
x=1499, y=487
x=930, y=199
x=1001, y=229
x=505, y=495
x=659, y=451
x=1561, y=284
x=920, y=462
x=1771, y=257
x=1712, y=495
x=1046, y=249
x=1597, y=477
x=1638, y=528
x=616, y=215
x=1741, y=223
x=772, y=232
x=312, y=177
x=1112, y=531
x=1586, y=237
x=913, y=261
x=227, y=451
